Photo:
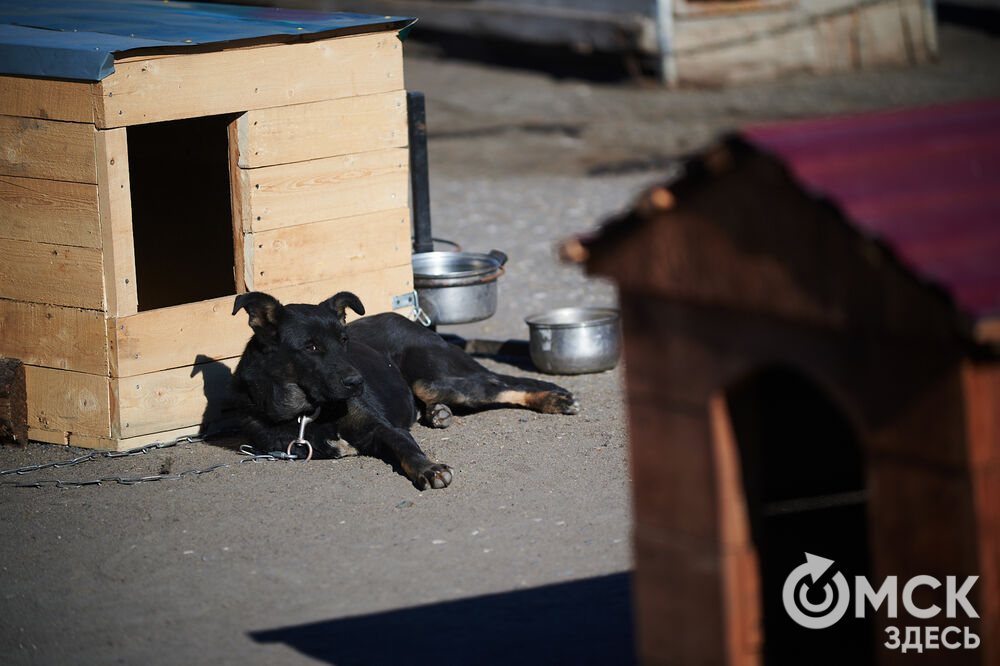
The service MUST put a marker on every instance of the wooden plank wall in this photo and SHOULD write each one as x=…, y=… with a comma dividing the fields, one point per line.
x=51, y=262
x=319, y=184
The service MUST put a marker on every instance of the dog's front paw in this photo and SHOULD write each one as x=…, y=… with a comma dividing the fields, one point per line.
x=434, y=475
x=438, y=415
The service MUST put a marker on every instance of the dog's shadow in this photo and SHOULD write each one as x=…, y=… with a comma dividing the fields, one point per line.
x=220, y=418
x=509, y=352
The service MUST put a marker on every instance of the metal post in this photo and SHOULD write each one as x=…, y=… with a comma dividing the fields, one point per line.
x=419, y=180
x=665, y=42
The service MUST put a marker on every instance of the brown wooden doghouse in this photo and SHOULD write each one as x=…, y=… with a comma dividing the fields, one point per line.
x=214, y=150
x=810, y=316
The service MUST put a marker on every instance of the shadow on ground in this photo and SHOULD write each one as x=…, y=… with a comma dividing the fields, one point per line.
x=984, y=16
x=515, y=353
x=582, y=622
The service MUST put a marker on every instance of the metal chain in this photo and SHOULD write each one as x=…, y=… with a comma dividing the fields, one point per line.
x=245, y=450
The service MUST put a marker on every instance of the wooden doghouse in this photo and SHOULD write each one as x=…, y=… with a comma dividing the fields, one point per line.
x=159, y=158
x=810, y=316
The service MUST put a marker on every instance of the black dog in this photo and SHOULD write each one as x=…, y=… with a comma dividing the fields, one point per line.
x=370, y=381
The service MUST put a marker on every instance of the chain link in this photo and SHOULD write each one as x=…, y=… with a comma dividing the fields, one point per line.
x=244, y=450
x=418, y=314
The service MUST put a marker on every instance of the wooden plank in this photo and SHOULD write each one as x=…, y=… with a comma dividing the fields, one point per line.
x=198, y=332
x=176, y=337
x=55, y=274
x=738, y=557
x=54, y=337
x=158, y=88
x=303, y=192
x=286, y=134
x=68, y=401
x=171, y=399
x=47, y=436
x=881, y=35
x=115, y=194
x=239, y=197
x=50, y=99
x=324, y=250
x=49, y=211
x=49, y=149
x=117, y=444
x=922, y=46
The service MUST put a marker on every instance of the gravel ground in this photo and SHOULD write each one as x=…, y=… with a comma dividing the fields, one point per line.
x=526, y=556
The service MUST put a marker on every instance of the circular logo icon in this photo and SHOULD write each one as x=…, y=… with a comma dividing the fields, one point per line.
x=804, y=578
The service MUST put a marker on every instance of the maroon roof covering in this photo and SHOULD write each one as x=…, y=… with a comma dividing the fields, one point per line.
x=926, y=182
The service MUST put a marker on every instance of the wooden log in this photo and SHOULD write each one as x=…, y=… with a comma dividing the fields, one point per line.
x=54, y=337
x=55, y=274
x=49, y=99
x=47, y=149
x=292, y=194
x=13, y=403
x=49, y=211
x=59, y=400
x=170, y=87
x=286, y=134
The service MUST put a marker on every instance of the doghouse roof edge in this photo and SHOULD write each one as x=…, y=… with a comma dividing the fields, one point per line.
x=62, y=39
x=922, y=182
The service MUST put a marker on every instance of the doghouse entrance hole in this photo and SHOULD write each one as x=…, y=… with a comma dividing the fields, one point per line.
x=804, y=479
x=181, y=211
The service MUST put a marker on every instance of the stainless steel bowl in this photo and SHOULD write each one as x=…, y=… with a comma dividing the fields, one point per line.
x=571, y=341
x=457, y=287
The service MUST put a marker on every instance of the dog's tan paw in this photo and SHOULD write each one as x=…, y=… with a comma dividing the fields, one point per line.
x=557, y=402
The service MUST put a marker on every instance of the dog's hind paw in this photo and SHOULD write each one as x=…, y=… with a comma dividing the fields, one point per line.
x=433, y=476
x=439, y=415
x=558, y=402
x=572, y=408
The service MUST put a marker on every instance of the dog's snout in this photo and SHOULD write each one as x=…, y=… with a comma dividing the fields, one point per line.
x=353, y=382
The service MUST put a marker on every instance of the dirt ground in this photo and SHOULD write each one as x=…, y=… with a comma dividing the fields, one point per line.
x=526, y=557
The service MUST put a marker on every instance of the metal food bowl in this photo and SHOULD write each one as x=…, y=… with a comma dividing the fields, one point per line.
x=457, y=287
x=571, y=341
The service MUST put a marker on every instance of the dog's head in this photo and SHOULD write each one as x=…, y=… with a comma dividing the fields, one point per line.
x=301, y=352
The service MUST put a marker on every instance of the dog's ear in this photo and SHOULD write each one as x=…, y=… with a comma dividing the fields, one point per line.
x=340, y=302
x=263, y=310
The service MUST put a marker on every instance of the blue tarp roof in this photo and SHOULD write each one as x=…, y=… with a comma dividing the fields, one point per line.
x=70, y=39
